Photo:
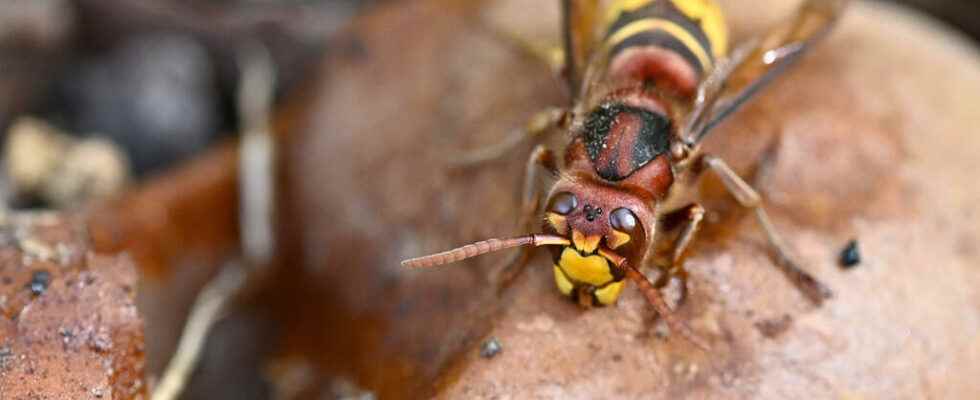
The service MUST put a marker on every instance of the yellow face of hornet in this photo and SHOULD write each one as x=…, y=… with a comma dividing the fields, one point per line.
x=594, y=219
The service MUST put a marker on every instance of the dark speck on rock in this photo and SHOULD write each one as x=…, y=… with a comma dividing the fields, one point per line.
x=101, y=342
x=490, y=348
x=850, y=257
x=5, y=354
x=66, y=333
x=39, y=282
x=774, y=327
x=66, y=336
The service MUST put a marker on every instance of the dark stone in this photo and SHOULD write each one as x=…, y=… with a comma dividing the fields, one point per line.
x=850, y=257
x=490, y=348
x=39, y=282
x=155, y=95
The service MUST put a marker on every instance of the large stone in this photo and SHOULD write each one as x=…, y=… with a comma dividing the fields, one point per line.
x=69, y=327
x=870, y=137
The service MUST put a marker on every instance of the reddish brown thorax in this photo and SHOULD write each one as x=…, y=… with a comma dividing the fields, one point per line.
x=617, y=167
x=649, y=182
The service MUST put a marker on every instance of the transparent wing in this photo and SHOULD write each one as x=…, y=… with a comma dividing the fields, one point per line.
x=580, y=20
x=755, y=63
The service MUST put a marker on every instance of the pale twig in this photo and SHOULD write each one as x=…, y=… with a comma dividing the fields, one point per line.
x=205, y=312
x=257, y=156
x=256, y=190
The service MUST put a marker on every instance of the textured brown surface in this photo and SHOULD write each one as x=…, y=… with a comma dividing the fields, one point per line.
x=82, y=336
x=868, y=138
x=872, y=137
x=367, y=185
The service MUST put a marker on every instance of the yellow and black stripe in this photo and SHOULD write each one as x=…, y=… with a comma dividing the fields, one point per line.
x=694, y=29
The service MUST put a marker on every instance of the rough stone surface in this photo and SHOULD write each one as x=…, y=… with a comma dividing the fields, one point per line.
x=870, y=137
x=69, y=327
x=366, y=184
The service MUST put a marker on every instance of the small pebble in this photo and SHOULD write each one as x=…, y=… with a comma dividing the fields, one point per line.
x=850, y=257
x=39, y=282
x=5, y=354
x=490, y=348
x=661, y=330
x=101, y=342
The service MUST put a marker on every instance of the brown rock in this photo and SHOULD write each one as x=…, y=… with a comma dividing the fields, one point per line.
x=869, y=137
x=367, y=184
x=872, y=135
x=69, y=327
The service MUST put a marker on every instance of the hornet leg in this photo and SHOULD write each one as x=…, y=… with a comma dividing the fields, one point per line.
x=694, y=215
x=541, y=158
x=657, y=301
x=813, y=289
x=544, y=121
x=551, y=56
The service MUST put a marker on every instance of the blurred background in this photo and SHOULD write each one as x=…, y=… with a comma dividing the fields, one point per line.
x=118, y=90
x=98, y=97
x=153, y=81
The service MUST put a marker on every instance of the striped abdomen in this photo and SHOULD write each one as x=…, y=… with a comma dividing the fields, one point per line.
x=670, y=43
